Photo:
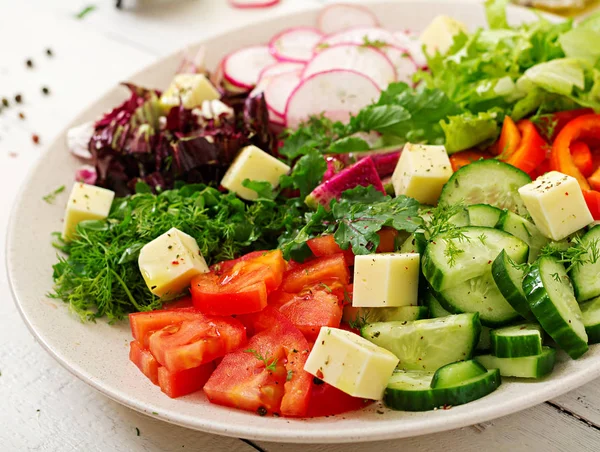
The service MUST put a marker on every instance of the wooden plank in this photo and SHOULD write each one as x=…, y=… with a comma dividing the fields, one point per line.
x=538, y=428
x=583, y=402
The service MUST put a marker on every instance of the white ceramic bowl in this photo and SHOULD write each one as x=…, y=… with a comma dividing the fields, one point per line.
x=98, y=353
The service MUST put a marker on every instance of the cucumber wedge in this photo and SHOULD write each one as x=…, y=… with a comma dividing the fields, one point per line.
x=371, y=315
x=517, y=340
x=508, y=277
x=590, y=310
x=525, y=367
x=585, y=276
x=454, y=373
x=553, y=303
x=412, y=391
x=524, y=229
x=483, y=215
x=454, y=257
x=487, y=182
x=415, y=243
x=435, y=308
x=485, y=343
x=427, y=344
x=480, y=295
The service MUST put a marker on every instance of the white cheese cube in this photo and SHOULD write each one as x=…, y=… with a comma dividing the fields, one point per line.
x=86, y=202
x=556, y=205
x=350, y=363
x=254, y=164
x=421, y=172
x=439, y=34
x=190, y=89
x=386, y=280
x=169, y=262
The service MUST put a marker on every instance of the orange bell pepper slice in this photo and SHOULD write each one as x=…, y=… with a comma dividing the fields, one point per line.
x=510, y=137
x=594, y=179
x=530, y=151
x=582, y=157
x=463, y=158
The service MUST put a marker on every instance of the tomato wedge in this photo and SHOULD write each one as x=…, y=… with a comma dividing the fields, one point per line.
x=144, y=361
x=327, y=246
x=326, y=400
x=178, y=384
x=315, y=271
x=268, y=375
x=191, y=343
x=143, y=324
x=240, y=286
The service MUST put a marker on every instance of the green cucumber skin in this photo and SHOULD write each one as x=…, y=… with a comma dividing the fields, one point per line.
x=483, y=215
x=446, y=376
x=593, y=333
x=548, y=316
x=544, y=365
x=589, y=311
x=442, y=397
x=585, y=291
x=507, y=287
x=515, y=346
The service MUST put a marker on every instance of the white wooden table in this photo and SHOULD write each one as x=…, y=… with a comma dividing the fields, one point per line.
x=43, y=407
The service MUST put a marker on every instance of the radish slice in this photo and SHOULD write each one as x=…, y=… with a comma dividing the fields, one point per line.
x=295, y=44
x=413, y=45
x=340, y=17
x=276, y=119
x=402, y=61
x=281, y=67
x=279, y=89
x=242, y=67
x=337, y=93
x=253, y=3
x=366, y=60
x=260, y=87
x=361, y=35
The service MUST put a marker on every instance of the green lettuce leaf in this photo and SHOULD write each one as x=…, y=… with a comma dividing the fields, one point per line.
x=467, y=130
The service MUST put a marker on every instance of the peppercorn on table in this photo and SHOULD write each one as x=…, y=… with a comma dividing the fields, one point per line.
x=57, y=57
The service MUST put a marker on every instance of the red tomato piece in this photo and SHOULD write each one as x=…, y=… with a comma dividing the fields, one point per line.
x=191, y=343
x=315, y=271
x=185, y=302
x=327, y=246
x=143, y=324
x=387, y=240
x=225, y=266
x=243, y=381
x=592, y=199
x=144, y=361
x=178, y=384
x=326, y=400
x=241, y=287
x=463, y=158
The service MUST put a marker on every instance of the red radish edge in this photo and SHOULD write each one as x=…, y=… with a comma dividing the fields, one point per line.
x=352, y=70
x=298, y=66
x=255, y=4
x=283, y=58
x=269, y=106
x=321, y=73
x=364, y=9
x=329, y=35
x=228, y=77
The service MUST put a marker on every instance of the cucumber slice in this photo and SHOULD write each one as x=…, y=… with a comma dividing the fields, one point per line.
x=517, y=340
x=465, y=253
x=525, y=367
x=435, y=308
x=371, y=315
x=508, y=277
x=524, y=229
x=415, y=243
x=455, y=373
x=590, y=312
x=585, y=276
x=481, y=295
x=487, y=182
x=552, y=301
x=483, y=215
x=427, y=344
x=485, y=343
x=411, y=390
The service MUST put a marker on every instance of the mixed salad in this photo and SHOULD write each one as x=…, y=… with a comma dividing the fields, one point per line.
x=349, y=214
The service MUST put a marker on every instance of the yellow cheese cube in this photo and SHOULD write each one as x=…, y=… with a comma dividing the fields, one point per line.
x=386, y=280
x=421, y=172
x=350, y=363
x=253, y=164
x=169, y=262
x=191, y=89
x=556, y=205
x=439, y=34
x=86, y=202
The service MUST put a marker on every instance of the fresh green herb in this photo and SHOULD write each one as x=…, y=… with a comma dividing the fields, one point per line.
x=307, y=173
x=359, y=321
x=556, y=277
x=270, y=366
x=377, y=43
x=85, y=11
x=327, y=288
x=263, y=189
x=452, y=252
x=482, y=238
x=441, y=219
x=99, y=276
x=579, y=253
x=51, y=197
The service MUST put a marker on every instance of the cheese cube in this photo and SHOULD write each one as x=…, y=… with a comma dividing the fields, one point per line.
x=386, y=280
x=421, y=172
x=254, y=164
x=351, y=363
x=556, y=205
x=439, y=34
x=86, y=202
x=190, y=89
x=169, y=262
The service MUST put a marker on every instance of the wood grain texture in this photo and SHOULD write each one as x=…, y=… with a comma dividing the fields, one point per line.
x=45, y=408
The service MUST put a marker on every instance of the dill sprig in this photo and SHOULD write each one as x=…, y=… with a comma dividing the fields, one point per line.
x=270, y=366
x=580, y=252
